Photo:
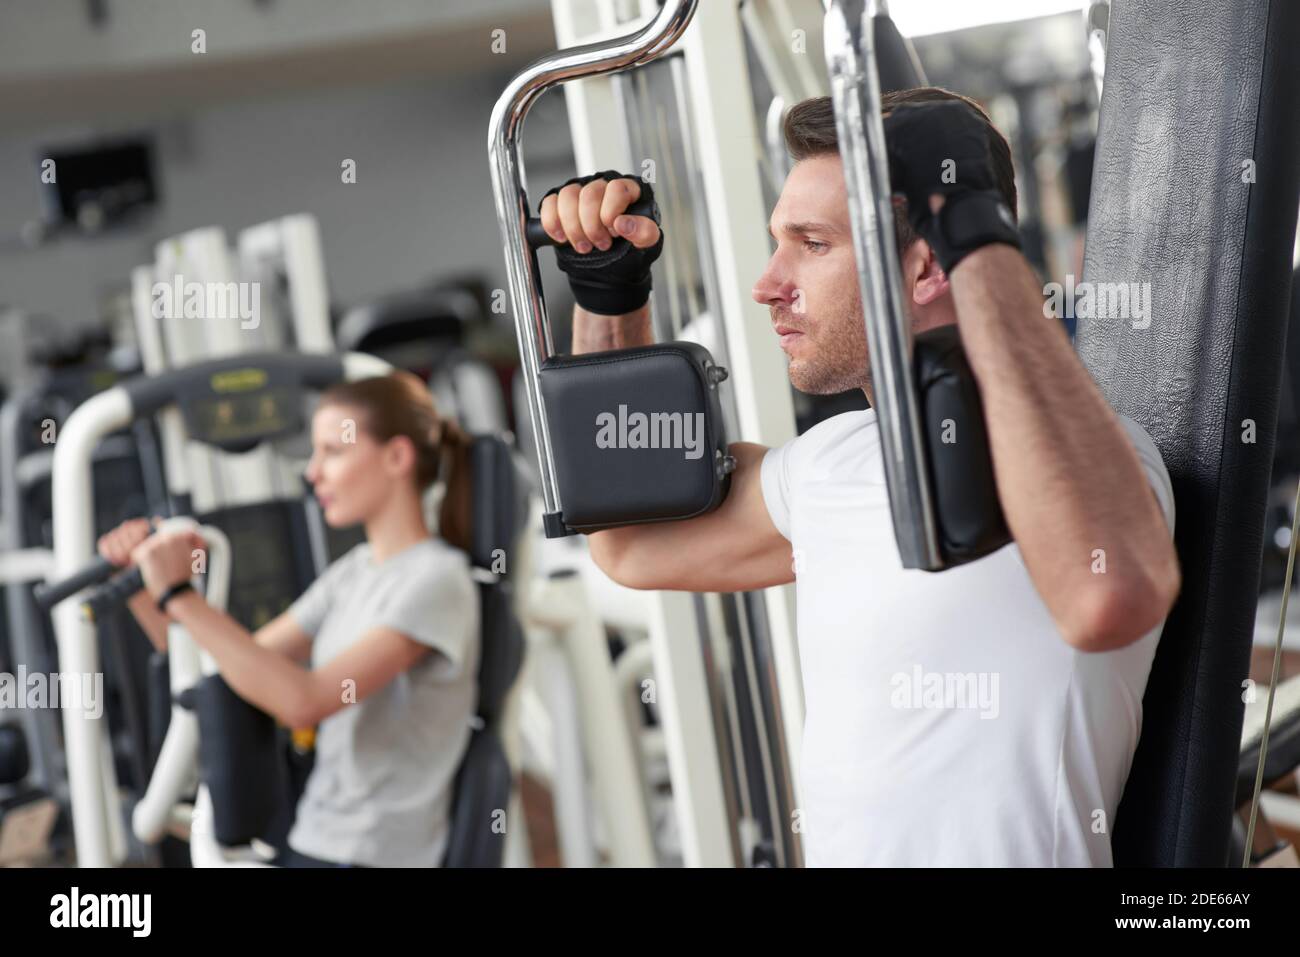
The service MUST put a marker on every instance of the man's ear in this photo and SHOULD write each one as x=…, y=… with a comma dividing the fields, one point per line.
x=930, y=282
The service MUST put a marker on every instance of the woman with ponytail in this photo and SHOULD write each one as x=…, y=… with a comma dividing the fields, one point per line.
x=381, y=651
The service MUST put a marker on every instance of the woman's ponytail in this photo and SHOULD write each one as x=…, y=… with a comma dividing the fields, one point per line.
x=454, y=516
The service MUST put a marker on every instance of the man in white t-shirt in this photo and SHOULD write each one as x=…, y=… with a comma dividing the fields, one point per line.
x=982, y=716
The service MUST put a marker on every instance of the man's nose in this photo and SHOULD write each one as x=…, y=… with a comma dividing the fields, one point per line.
x=773, y=287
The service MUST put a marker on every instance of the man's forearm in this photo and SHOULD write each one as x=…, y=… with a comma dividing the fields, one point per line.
x=1069, y=479
x=595, y=333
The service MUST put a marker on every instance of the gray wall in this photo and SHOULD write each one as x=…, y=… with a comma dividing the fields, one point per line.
x=49, y=37
x=421, y=207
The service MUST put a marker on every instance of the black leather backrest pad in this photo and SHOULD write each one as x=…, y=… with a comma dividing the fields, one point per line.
x=483, y=787
x=500, y=503
x=1193, y=91
x=500, y=511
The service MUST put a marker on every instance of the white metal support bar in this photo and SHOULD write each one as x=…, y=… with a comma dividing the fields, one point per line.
x=596, y=123
x=728, y=139
x=690, y=736
x=92, y=783
x=787, y=38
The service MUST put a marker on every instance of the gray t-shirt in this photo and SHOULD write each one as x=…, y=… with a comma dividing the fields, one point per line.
x=380, y=791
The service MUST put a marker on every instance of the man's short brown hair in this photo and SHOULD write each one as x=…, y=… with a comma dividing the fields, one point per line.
x=810, y=131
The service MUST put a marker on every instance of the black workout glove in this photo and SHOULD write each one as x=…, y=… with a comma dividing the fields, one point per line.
x=921, y=138
x=615, y=281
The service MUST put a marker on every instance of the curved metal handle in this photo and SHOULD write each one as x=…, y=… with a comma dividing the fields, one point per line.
x=49, y=594
x=855, y=92
x=538, y=237
x=505, y=131
x=188, y=664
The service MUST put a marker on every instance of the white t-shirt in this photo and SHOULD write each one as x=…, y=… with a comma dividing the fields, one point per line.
x=948, y=723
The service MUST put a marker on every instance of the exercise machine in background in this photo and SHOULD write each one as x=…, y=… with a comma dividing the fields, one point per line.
x=232, y=405
x=424, y=332
x=127, y=475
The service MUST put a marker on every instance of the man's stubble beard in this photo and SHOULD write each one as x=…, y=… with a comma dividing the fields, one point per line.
x=839, y=361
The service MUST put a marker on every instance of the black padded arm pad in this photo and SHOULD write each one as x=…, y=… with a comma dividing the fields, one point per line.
x=636, y=434
x=240, y=761
x=965, y=495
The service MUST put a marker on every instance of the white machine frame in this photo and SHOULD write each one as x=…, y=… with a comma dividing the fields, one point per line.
x=723, y=116
x=97, y=824
x=290, y=245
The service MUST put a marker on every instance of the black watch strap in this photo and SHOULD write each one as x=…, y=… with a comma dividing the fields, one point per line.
x=172, y=592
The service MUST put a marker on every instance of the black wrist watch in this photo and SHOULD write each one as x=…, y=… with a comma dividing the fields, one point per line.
x=172, y=592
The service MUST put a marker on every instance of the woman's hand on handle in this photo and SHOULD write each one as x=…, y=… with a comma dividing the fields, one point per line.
x=116, y=545
x=169, y=558
x=119, y=546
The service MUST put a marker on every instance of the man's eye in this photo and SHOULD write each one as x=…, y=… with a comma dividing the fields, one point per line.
x=813, y=246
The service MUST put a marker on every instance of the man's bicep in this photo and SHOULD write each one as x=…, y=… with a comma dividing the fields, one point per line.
x=737, y=547
x=767, y=560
